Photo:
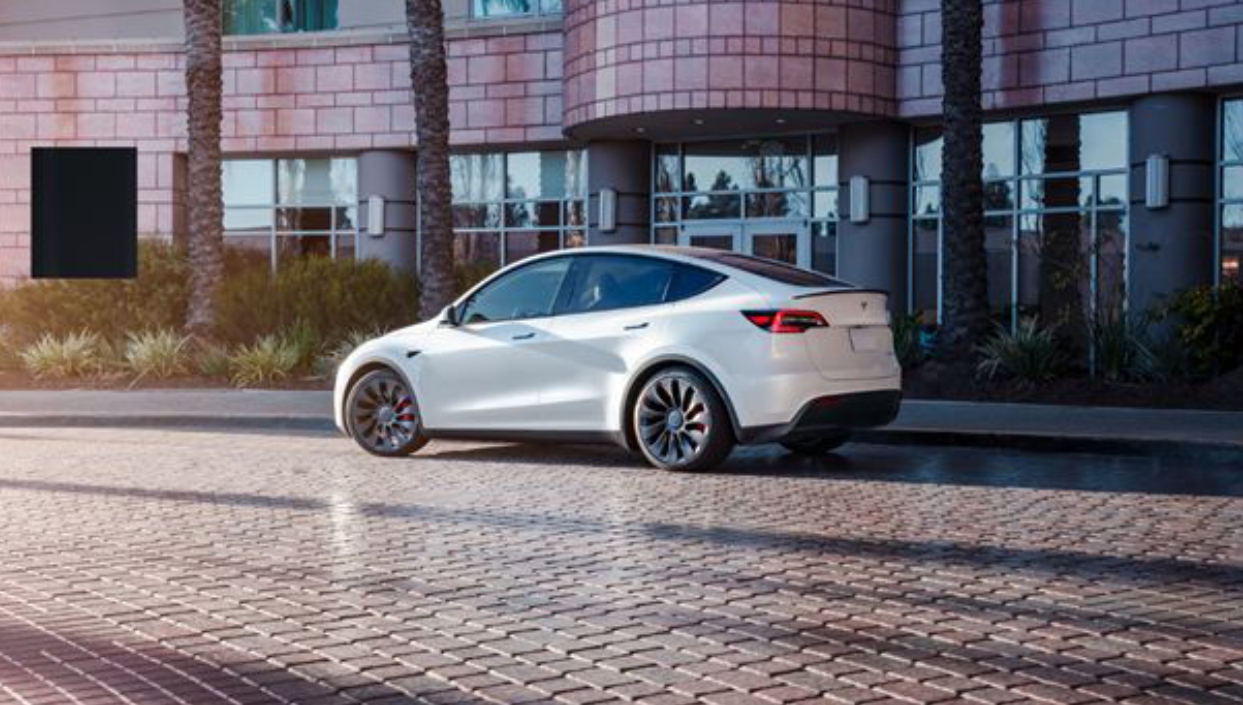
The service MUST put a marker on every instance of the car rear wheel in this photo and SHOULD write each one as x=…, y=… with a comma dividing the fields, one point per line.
x=681, y=423
x=818, y=445
x=382, y=415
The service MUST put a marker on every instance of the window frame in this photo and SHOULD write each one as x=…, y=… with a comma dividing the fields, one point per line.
x=577, y=272
x=1019, y=210
x=338, y=237
x=281, y=29
x=463, y=303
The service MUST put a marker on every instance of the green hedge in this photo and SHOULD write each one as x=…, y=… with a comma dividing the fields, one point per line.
x=109, y=308
x=331, y=298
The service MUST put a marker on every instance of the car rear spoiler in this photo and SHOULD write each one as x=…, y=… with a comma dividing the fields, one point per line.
x=830, y=292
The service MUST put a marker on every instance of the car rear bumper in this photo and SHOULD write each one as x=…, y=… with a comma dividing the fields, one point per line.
x=831, y=413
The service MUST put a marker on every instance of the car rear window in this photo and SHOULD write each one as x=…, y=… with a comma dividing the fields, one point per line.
x=771, y=269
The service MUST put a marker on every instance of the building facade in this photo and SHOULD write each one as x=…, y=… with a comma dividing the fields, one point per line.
x=756, y=125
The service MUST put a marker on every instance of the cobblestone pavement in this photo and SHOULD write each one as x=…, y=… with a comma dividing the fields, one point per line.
x=157, y=567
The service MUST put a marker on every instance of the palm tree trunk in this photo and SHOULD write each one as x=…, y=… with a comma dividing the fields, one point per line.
x=965, y=266
x=430, y=81
x=204, y=198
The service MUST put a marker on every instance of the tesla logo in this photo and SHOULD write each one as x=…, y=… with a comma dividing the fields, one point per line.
x=863, y=305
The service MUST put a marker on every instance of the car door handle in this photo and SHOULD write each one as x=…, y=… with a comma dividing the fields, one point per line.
x=637, y=326
x=524, y=336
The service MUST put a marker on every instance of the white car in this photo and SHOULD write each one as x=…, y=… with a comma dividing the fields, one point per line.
x=677, y=353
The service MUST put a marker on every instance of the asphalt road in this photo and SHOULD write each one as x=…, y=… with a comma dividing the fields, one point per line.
x=199, y=567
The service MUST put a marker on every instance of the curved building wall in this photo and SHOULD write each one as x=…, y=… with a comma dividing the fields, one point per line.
x=626, y=57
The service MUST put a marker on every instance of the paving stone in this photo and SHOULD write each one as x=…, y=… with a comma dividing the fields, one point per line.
x=252, y=568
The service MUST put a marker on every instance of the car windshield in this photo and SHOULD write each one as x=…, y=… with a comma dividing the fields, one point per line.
x=771, y=269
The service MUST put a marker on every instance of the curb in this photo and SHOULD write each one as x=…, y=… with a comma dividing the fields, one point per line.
x=170, y=421
x=1193, y=450
x=1196, y=450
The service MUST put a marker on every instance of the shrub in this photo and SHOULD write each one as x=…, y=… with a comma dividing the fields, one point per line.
x=73, y=355
x=908, y=340
x=330, y=297
x=269, y=359
x=1030, y=354
x=1210, y=326
x=214, y=362
x=158, y=354
x=1123, y=351
x=156, y=299
x=327, y=364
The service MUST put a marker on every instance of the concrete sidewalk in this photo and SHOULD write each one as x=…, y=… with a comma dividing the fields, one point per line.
x=1210, y=434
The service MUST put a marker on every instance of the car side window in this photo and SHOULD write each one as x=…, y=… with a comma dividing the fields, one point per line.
x=610, y=282
x=691, y=281
x=527, y=292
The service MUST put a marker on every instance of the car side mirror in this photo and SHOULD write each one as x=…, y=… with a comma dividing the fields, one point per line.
x=450, y=317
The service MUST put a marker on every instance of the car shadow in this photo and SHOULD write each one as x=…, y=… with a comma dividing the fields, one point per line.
x=934, y=465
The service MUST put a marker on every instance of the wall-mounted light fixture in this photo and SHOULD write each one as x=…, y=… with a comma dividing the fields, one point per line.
x=375, y=216
x=860, y=199
x=608, y=210
x=1157, y=183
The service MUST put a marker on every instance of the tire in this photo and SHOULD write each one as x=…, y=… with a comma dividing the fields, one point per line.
x=680, y=422
x=382, y=415
x=819, y=445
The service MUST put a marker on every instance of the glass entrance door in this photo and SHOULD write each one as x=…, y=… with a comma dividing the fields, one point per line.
x=716, y=236
x=784, y=241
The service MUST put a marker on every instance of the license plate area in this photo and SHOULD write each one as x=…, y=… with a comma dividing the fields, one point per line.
x=866, y=339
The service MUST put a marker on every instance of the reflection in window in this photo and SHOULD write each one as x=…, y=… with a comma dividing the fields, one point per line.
x=777, y=178
x=1055, y=193
x=510, y=206
x=292, y=207
x=490, y=9
x=1230, y=195
x=278, y=16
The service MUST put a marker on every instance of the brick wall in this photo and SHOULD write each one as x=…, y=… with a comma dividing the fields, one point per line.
x=278, y=99
x=634, y=56
x=1058, y=51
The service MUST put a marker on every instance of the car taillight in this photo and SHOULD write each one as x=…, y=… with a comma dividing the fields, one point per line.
x=786, y=320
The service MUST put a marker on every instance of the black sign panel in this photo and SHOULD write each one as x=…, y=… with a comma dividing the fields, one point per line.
x=84, y=212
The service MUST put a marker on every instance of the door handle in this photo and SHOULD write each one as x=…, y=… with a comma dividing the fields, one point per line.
x=637, y=326
x=524, y=336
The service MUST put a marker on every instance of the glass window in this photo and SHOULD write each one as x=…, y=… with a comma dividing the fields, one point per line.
x=1071, y=143
x=998, y=150
x=730, y=166
x=528, y=292
x=277, y=16
x=477, y=177
x=527, y=202
x=303, y=207
x=515, y=8
x=689, y=281
x=610, y=282
x=928, y=149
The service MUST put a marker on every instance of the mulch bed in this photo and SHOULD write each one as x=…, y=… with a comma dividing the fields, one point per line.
x=934, y=380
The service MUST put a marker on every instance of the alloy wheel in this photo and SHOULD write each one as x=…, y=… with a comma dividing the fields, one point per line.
x=383, y=414
x=674, y=421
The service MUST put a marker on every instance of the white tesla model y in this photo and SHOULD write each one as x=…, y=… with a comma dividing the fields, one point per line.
x=677, y=353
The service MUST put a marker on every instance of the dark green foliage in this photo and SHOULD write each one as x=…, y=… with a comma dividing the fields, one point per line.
x=328, y=298
x=907, y=343
x=314, y=299
x=1029, y=355
x=108, y=308
x=1210, y=327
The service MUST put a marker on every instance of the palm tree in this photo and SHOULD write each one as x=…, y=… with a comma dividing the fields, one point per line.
x=966, y=313
x=204, y=198
x=429, y=77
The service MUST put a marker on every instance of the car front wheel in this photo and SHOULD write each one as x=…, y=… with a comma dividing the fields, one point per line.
x=681, y=423
x=382, y=415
